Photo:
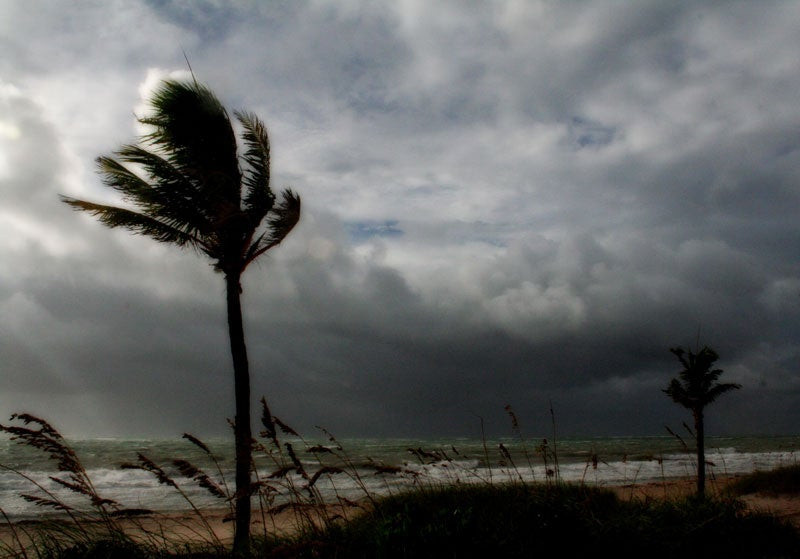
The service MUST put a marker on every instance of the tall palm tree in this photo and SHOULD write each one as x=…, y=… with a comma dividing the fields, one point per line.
x=697, y=388
x=189, y=186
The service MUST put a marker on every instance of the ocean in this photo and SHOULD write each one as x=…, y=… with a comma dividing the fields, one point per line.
x=374, y=466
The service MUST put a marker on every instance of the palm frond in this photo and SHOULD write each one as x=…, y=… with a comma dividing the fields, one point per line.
x=185, y=186
x=193, y=131
x=679, y=352
x=161, y=172
x=170, y=204
x=711, y=376
x=698, y=385
x=678, y=393
x=285, y=216
x=718, y=389
x=121, y=179
x=281, y=221
x=113, y=216
x=258, y=197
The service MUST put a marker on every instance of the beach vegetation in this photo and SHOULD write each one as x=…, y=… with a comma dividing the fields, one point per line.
x=525, y=520
x=186, y=183
x=464, y=515
x=780, y=481
x=695, y=388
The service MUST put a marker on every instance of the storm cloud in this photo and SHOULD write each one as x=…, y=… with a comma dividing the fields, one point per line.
x=509, y=202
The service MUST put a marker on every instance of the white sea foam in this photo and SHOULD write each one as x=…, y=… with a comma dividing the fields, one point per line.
x=601, y=462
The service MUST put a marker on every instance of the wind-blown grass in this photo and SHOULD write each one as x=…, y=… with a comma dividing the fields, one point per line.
x=517, y=520
x=784, y=480
x=466, y=516
x=510, y=521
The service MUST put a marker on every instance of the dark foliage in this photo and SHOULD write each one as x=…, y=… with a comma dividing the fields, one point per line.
x=566, y=521
x=695, y=388
x=784, y=480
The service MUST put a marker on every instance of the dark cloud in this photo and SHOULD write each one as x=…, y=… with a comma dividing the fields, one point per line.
x=517, y=203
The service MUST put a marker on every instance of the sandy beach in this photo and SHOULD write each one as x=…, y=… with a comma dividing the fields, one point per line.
x=188, y=527
x=784, y=506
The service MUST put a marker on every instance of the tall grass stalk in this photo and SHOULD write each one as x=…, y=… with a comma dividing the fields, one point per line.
x=147, y=465
x=299, y=480
x=518, y=432
x=555, y=443
x=485, y=448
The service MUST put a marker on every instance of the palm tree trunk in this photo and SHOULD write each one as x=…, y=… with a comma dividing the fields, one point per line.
x=241, y=429
x=699, y=428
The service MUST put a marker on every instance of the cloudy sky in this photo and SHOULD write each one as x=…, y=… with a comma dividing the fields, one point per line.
x=509, y=202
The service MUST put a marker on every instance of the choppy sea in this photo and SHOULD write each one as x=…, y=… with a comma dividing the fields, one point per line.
x=376, y=466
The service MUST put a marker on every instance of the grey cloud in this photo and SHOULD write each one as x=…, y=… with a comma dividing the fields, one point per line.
x=475, y=366
x=578, y=189
x=211, y=21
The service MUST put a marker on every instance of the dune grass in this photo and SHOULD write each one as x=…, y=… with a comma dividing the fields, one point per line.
x=483, y=518
x=564, y=520
x=509, y=521
x=784, y=480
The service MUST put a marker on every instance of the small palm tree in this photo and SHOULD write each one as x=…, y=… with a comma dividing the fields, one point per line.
x=697, y=388
x=189, y=186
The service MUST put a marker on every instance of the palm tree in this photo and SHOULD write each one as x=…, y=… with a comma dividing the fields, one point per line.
x=194, y=189
x=697, y=388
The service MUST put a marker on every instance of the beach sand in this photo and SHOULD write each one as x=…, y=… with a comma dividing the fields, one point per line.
x=784, y=506
x=186, y=527
x=174, y=529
